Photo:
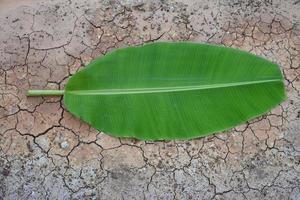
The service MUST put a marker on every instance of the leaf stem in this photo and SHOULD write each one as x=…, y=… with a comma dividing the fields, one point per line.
x=45, y=92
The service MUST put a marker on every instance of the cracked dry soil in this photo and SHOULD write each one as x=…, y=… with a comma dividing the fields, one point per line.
x=46, y=153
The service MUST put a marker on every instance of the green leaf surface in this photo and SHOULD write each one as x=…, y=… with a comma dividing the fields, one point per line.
x=173, y=90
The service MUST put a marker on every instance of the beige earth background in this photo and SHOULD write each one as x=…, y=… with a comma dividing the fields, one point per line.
x=46, y=153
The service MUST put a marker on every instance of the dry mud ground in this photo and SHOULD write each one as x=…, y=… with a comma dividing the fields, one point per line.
x=46, y=153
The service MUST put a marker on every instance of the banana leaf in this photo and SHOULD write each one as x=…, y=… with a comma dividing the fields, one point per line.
x=172, y=90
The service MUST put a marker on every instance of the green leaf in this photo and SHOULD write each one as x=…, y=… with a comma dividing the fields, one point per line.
x=173, y=90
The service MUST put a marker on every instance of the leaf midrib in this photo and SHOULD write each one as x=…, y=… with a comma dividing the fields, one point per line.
x=166, y=89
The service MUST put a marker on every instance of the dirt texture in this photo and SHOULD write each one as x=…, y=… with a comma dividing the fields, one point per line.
x=46, y=153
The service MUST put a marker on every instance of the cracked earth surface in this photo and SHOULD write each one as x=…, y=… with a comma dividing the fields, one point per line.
x=46, y=153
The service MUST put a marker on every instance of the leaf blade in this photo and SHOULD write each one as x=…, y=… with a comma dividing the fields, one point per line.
x=173, y=114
